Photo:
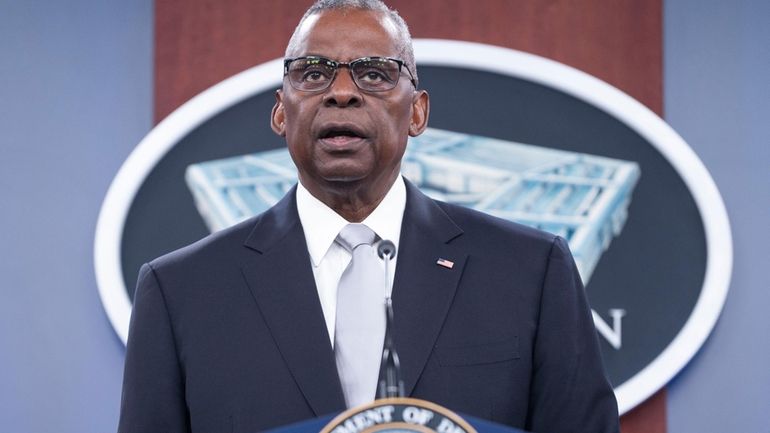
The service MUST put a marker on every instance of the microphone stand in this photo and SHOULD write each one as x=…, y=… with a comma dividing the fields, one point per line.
x=390, y=384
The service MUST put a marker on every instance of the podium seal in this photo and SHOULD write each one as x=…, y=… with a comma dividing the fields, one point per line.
x=398, y=415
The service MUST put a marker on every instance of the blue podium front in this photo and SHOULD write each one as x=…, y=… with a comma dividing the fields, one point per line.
x=397, y=415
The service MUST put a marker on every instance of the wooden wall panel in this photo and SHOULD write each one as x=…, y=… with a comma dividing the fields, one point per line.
x=201, y=42
x=617, y=41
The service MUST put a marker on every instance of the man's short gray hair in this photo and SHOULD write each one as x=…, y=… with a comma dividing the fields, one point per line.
x=405, y=50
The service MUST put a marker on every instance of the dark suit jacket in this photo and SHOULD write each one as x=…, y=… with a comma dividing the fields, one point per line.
x=227, y=334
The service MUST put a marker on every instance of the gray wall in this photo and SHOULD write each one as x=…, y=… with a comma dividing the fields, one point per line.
x=717, y=96
x=76, y=97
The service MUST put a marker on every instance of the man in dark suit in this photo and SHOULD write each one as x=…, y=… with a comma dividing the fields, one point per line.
x=235, y=333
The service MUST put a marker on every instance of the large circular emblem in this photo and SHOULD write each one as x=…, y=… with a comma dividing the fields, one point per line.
x=512, y=134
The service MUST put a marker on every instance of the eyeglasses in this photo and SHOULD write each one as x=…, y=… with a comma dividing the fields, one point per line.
x=371, y=74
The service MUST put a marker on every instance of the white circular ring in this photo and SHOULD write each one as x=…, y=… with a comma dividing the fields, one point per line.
x=468, y=55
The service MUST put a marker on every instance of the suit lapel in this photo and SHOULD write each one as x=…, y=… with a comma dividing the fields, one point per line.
x=423, y=290
x=281, y=280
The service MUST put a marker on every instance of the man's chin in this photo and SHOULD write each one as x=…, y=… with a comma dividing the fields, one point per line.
x=344, y=181
x=344, y=172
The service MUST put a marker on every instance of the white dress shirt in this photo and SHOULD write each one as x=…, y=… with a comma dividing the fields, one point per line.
x=322, y=225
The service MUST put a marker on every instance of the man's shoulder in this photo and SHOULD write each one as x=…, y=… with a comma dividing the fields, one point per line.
x=478, y=228
x=219, y=247
x=478, y=224
x=234, y=245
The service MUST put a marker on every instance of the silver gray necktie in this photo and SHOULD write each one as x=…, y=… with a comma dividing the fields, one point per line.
x=359, y=329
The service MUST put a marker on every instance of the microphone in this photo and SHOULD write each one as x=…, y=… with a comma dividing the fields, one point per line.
x=386, y=248
x=390, y=383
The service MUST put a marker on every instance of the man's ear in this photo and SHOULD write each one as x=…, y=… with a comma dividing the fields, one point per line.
x=278, y=117
x=420, y=113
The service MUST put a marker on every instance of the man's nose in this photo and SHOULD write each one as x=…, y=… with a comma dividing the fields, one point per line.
x=343, y=91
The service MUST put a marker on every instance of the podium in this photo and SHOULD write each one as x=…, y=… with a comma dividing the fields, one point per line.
x=396, y=415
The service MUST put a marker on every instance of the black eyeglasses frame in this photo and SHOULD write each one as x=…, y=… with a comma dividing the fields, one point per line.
x=336, y=65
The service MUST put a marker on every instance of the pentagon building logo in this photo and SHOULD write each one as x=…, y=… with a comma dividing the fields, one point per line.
x=582, y=198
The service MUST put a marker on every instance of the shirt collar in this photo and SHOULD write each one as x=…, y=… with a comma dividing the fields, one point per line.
x=322, y=225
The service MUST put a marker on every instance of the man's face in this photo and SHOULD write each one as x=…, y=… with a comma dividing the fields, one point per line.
x=344, y=138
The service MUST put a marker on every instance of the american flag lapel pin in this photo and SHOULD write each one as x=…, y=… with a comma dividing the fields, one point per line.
x=445, y=263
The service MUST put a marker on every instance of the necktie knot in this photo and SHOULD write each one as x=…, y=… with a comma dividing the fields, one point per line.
x=354, y=235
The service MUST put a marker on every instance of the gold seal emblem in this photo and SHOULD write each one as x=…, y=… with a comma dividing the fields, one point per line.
x=398, y=415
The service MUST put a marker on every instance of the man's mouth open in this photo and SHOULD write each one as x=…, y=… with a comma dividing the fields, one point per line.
x=341, y=137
